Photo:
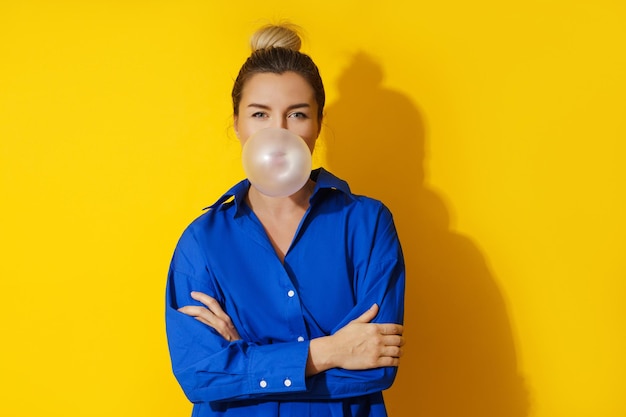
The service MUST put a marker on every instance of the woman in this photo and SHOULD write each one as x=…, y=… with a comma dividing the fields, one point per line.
x=286, y=305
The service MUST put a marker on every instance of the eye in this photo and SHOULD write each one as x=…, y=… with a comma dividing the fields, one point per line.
x=298, y=115
x=258, y=115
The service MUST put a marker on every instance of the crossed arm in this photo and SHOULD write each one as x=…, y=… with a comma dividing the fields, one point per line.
x=359, y=345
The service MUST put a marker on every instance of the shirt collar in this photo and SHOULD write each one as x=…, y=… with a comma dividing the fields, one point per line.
x=323, y=180
x=238, y=191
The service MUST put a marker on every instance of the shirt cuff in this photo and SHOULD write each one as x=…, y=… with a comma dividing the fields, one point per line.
x=278, y=368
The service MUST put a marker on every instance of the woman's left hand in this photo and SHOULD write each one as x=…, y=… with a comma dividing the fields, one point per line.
x=212, y=315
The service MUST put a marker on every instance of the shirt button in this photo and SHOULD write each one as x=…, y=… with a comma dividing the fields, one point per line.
x=263, y=383
x=291, y=293
x=300, y=339
x=287, y=382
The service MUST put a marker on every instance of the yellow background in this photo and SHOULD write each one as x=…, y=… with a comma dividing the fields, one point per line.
x=495, y=131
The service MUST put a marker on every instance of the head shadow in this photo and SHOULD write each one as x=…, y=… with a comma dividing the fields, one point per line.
x=460, y=358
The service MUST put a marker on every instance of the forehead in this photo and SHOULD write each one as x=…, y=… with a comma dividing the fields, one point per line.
x=267, y=86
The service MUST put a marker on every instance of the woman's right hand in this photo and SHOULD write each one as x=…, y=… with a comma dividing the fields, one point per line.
x=212, y=315
x=359, y=345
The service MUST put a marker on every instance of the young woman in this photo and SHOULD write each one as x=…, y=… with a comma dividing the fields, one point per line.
x=286, y=306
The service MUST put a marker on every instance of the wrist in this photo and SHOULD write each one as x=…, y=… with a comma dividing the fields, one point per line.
x=320, y=356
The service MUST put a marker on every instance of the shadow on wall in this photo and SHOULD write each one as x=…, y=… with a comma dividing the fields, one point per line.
x=460, y=358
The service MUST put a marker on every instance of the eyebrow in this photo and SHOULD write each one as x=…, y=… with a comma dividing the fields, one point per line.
x=293, y=106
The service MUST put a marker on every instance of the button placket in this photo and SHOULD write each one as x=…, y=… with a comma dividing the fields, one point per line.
x=298, y=327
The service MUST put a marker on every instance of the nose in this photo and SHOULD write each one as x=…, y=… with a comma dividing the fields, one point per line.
x=280, y=122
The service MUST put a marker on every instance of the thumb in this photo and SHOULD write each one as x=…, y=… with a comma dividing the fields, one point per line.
x=368, y=315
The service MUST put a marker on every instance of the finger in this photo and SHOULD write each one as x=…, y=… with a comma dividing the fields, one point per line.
x=199, y=313
x=390, y=328
x=392, y=352
x=202, y=297
x=203, y=314
x=211, y=303
x=217, y=309
x=393, y=340
x=225, y=328
x=368, y=315
x=193, y=311
x=388, y=361
x=203, y=321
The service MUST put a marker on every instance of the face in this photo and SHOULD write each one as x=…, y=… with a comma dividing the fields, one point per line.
x=278, y=100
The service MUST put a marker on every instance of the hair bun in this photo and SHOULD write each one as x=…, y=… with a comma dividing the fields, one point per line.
x=276, y=36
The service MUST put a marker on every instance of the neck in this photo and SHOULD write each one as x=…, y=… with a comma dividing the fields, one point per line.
x=277, y=206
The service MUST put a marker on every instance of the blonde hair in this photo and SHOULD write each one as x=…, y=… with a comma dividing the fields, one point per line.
x=276, y=49
x=283, y=35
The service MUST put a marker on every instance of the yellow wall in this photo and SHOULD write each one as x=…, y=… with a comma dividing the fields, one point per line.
x=494, y=130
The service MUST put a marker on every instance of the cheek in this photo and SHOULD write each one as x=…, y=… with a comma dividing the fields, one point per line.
x=311, y=145
x=310, y=138
x=307, y=129
x=244, y=130
x=313, y=133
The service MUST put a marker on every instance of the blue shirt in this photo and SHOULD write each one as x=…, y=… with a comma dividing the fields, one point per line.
x=345, y=256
